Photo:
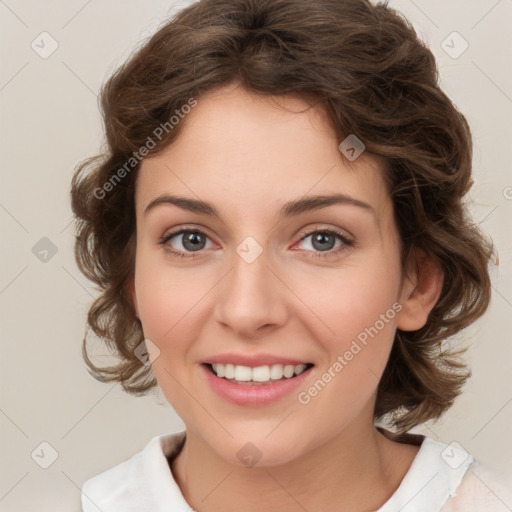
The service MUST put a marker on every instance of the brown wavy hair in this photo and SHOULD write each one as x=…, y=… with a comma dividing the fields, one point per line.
x=363, y=64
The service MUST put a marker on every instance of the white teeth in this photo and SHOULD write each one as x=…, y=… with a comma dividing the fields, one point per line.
x=300, y=368
x=259, y=373
x=243, y=373
x=276, y=371
x=229, y=371
x=219, y=370
x=289, y=370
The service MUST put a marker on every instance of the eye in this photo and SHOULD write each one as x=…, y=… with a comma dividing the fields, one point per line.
x=192, y=240
x=184, y=242
x=323, y=242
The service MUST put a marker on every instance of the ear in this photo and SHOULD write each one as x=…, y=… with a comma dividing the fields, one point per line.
x=131, y=290
x=421, y=288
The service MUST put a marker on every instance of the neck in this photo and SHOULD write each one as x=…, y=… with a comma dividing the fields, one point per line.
x=334, y=476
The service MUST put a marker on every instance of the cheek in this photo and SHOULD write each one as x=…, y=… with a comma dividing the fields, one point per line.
x=361, y=323
x=165, y=297
x=351, y=299
x=169, y=309
x=174, y=305
x=356, y=310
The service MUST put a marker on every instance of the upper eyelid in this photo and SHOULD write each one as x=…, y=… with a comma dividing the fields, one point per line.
x=335, y=230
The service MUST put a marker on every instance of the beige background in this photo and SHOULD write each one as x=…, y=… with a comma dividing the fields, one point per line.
x=50, y=121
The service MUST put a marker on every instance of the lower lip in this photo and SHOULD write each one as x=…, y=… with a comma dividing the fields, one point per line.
x=257, y=394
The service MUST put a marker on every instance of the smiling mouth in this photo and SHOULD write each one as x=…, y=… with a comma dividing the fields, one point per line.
x=259, y=375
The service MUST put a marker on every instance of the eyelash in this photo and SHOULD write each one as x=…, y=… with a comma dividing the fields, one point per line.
x=322, y=254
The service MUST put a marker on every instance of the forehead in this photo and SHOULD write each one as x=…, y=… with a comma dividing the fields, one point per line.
x=240, y=148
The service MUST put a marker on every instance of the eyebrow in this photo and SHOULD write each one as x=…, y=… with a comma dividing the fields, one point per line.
x=289, y=209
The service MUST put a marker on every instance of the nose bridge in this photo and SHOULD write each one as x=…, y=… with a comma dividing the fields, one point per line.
x=249, y=297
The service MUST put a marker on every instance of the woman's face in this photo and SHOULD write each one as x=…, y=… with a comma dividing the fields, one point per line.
x=273, y=279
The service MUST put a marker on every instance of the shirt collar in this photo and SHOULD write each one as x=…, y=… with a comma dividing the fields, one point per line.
x=436, y=472
x=145, y=481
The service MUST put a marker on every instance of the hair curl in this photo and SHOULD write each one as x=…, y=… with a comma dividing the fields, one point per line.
x=366, y=66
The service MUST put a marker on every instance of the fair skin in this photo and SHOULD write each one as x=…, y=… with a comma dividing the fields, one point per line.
x=247, y=156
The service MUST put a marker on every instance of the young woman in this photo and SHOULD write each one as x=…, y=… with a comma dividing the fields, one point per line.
x=277, y=220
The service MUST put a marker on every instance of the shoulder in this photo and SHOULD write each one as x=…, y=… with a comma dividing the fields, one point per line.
x=446, y=478
x=482, y=490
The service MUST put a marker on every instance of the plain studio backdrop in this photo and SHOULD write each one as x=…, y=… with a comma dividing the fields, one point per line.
x=52, y=412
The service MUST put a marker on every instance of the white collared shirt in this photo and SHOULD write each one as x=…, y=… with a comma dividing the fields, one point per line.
x=442, y=478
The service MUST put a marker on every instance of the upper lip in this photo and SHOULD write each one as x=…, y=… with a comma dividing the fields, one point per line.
x=253, y=360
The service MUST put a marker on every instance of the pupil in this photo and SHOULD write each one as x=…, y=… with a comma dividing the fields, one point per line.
x=194, y=239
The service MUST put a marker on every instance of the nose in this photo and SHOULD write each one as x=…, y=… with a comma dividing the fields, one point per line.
x=251, y=298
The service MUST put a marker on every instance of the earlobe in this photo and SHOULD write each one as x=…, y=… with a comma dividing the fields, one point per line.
x=420, y=292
